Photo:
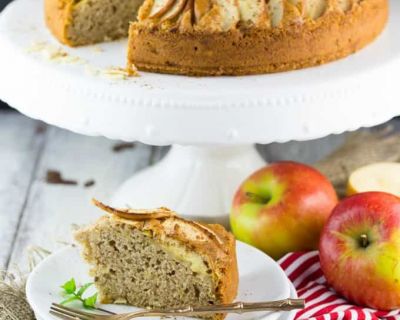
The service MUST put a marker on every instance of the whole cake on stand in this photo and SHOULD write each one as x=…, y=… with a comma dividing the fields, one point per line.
x=212, y=122
x=222, y=37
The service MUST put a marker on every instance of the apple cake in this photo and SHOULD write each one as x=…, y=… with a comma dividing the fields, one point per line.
x=82, y=22
x=223, y=37
x=155, y=259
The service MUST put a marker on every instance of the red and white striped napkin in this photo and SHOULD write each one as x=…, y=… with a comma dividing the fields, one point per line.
x=322, y=302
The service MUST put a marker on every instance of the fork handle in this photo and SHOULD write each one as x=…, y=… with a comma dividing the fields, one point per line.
x=236, y=307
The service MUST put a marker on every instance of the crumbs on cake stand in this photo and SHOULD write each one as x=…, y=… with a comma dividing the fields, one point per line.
x=57, y=54
x=97, y=49
x=114, y=73
x=54, y=53
x=119, y=72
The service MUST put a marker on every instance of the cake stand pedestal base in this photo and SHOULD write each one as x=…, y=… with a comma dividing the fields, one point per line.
x=197, y=182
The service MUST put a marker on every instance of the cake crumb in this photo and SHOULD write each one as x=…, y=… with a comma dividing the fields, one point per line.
x=55, y=177
x=53, y=53
x=114, y=73
x=97, y=49
x=117, y=73
x=120, y=301
x=123, y=146
x=89, y=183
x=132, y=70
x=91, y=70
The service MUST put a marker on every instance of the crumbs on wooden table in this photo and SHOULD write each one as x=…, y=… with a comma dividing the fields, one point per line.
x=89, y=183
x=55, y=177
x=123, y=146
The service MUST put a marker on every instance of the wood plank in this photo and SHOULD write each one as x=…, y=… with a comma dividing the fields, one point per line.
x=21, y=141
x=51, y=209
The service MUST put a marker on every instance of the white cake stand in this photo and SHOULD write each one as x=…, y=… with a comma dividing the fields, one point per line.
x=212, y=122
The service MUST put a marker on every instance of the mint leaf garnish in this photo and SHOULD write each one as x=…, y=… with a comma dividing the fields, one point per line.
x=82, y=289
x=90, y=302
x=70, y=286
x=73, y=293
x=68, y=300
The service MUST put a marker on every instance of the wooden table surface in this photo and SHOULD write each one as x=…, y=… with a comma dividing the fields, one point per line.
x=35, y=212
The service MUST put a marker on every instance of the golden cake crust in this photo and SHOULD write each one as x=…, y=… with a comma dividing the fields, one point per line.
x=211, y=241
x=253, y=50
x=58, y=16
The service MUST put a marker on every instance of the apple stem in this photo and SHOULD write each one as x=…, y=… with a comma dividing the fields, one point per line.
x=257, y=198
x=364, y=241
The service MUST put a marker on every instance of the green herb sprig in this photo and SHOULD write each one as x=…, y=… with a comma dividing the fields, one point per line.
x=73, y=293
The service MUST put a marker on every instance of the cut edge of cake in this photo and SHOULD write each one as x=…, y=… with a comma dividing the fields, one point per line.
x=83, y=22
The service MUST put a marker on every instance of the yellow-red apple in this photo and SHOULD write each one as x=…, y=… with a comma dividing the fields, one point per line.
x=282, y=208
x=360, y=250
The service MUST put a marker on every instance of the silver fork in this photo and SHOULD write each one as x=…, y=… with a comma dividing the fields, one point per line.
x=67, y=313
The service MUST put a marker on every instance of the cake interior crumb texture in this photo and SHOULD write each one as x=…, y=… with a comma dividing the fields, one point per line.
x=130, y=266
x=93, y=21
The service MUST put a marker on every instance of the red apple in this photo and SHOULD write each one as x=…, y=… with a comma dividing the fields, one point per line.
x=282, y=208
x=360, y=250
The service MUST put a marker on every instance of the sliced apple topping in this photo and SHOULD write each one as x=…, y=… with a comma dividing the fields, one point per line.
x=229, y=13
x=292, y=14
x=211, y=21
x=187, y=19
x=175, y=11
x=136, y=215
x=224, y=15
x=161, y=7
x=145, y=10
x=276, y=9
x=253, y=12
x=345, y=5
x=201, y=8
x=314, y=9
x=300, y=5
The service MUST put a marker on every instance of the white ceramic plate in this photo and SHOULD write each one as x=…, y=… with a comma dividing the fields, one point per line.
x=261, y=279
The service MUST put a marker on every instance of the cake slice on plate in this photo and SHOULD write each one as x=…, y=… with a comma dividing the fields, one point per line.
x=156, y=259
